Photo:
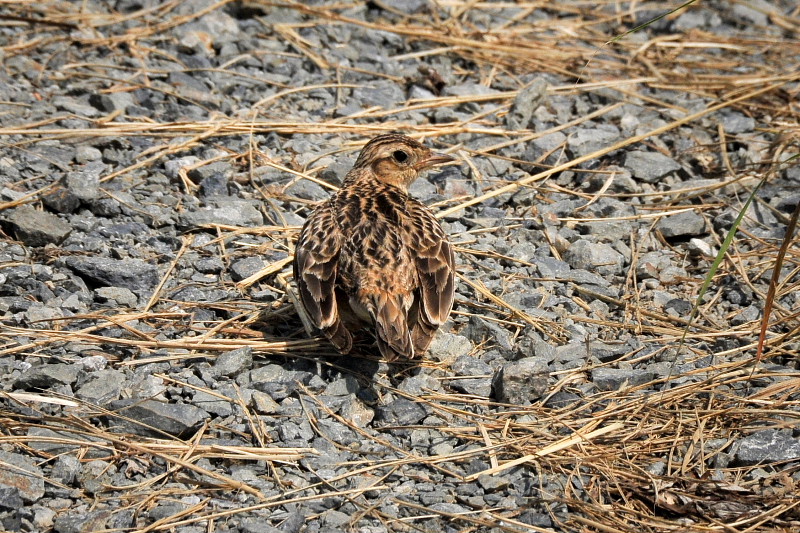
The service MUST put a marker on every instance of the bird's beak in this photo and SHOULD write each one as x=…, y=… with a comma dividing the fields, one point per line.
x=435, y=158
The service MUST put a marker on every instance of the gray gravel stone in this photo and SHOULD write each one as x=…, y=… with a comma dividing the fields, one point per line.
x=493, y=483
x=82, y=523
x=103, y=386
x=550, y=267
x=736, y=122
x=95, y=475
x=606, y=352
x=447, y=346
x=257, y=525
x=308, y=190
x=521, y=382
x=85, y=184
x=525, y=103
x=209, y=265
x=212, y=403
x=213, y=178
x=597, y=257
x=684, y=224
x=109, y=103
x=47, y=440
x=699, y=247
x=768, y=446
x=73, y=105
x=342, y=387
x=357, y=412
x=66, y=469
x=24, y=479
x=48, y=375
x=151, y=418
x=233, y=363
x=43, y=518
x=678, y=307
x=275, y=380
x=562, y=399
x=173, y=167
x=10, y=498
x=230, y=213
x=750, y=313
x=264, y=403
x=546, y=144
x=607, y=379
x=649, y=166
x=480, y=330
x=588, y=140
x=386, y=94
x=62, y=200
x=246, y=267
x=116, y=296
x=37, y=228
x=400, y=412
x=132, y=274
x=408, y=6
x=480, y=385
x=651, y=264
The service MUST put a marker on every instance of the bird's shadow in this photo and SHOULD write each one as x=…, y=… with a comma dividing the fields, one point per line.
x=373, y=373
x=364, y=363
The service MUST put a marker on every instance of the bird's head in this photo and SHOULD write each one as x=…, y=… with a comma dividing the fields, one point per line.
x=398, y=160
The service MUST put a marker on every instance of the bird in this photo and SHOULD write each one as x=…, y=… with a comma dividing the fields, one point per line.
x=372, y=256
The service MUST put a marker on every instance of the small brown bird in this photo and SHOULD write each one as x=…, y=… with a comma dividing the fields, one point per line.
x=372, y=255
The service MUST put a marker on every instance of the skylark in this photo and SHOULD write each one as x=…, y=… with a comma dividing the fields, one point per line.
x=374, y=256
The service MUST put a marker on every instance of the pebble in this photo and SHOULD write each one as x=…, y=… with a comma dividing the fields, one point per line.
x=62, y=200
x=446, y=347
x=275, y=380
x=132, y=274
x=684, y=224
x=37, y=228
x=103, y=387
x=768, y=446
x=649, y=166
x=400, y=412
x=481, y=385
x=521, y=382
x=597, y=257
x=607, y=379
x=91, y=521
x=44, y=376
x=116, y=296
x=152, y=418
x=480, y=329
x=525, y=103
x=85, y=183
x=226, y=213
x=246, y=267
x=23, y=481
x=233, y=363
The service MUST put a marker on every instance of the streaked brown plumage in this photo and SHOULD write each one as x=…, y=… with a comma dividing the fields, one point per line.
x=372, y=255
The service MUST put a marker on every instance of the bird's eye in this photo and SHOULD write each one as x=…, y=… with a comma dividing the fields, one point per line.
x=400, y=156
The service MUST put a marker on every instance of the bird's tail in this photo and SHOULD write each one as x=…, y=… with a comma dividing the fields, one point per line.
x=339, y=337
x=391, y=326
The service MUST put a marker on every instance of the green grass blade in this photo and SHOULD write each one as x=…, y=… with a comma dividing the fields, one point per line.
x=645, y=24
x=720, y=256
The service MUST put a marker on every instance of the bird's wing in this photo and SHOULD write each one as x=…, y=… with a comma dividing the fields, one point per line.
x=316, y=259
x=435, y=264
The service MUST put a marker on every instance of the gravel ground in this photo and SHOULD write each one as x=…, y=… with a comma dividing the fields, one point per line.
x=155, y=156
